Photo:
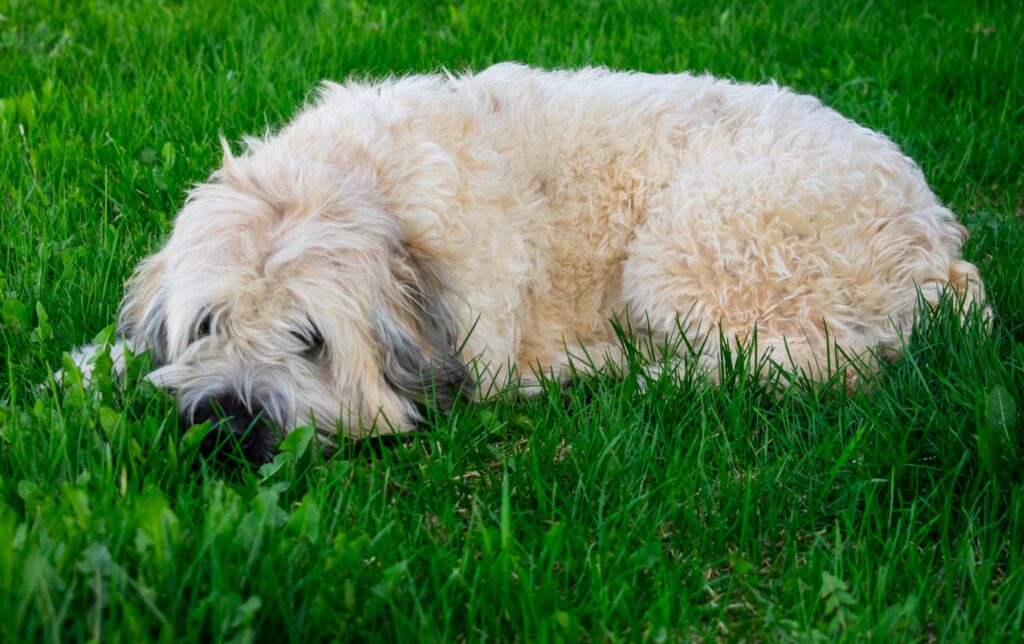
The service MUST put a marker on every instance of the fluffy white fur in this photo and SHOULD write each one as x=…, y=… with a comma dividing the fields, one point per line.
x=520, y=210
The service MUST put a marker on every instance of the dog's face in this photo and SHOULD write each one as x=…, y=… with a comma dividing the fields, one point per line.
x=288, y=296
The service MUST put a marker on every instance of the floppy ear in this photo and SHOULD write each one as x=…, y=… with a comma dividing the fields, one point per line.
x=143, y=314
x=416, y=336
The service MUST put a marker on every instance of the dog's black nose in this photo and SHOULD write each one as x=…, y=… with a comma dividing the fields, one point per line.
x=235, y=427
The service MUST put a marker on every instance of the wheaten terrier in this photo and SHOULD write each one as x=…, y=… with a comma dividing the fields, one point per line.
x=349, y=267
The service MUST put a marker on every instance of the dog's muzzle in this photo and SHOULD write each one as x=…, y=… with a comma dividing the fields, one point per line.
x=235, y=426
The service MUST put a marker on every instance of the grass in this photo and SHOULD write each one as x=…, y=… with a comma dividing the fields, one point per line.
x=614, y=509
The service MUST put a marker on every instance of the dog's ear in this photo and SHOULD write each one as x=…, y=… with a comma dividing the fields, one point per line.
x=142, y=318
x=416, y=335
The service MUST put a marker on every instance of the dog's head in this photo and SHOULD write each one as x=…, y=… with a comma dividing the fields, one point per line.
x=287, y=295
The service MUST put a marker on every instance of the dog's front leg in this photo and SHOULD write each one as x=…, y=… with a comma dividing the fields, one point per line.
x=84, y=358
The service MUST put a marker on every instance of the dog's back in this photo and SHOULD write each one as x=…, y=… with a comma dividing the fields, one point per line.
x=556, y=200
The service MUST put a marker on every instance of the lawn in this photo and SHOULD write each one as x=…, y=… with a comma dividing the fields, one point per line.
x=617, y=508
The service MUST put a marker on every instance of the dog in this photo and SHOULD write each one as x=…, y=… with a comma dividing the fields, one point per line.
x=347, y=269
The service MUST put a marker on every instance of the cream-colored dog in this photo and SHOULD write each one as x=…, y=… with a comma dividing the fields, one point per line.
x=348, y=267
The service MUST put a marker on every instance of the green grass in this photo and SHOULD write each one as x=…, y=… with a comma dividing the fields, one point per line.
x=607, y=510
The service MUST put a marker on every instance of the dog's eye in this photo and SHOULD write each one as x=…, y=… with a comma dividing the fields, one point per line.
x=202, y=329
x=312, y=340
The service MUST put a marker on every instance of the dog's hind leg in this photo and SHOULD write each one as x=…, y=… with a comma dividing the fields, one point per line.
x=711, y=264
x=826, y=263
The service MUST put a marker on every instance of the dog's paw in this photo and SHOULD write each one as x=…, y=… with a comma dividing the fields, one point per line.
x=84, y=358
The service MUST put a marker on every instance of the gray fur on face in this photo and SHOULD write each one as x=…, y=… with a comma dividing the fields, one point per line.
x=150, y=331
x=421, y=363
x=412, y=373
